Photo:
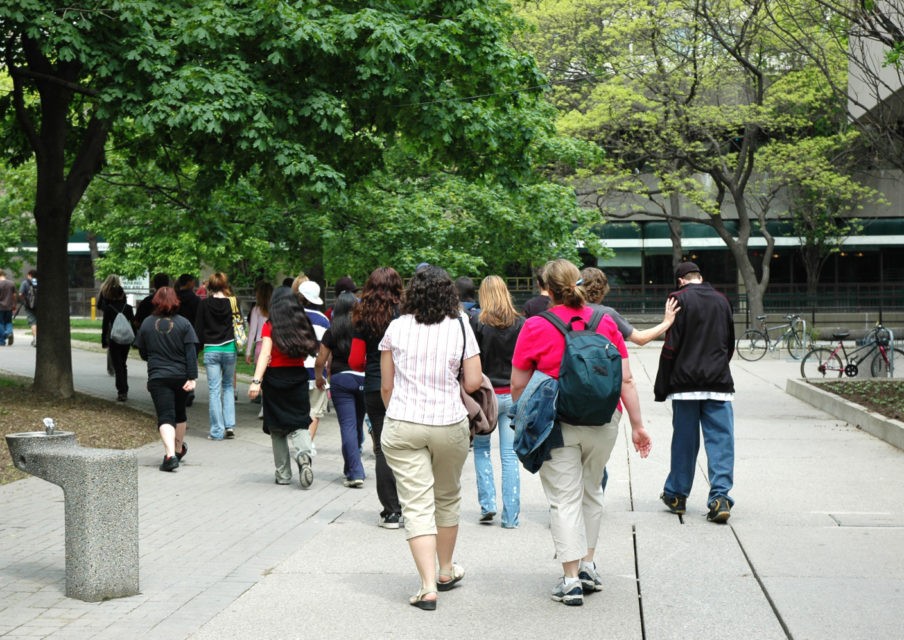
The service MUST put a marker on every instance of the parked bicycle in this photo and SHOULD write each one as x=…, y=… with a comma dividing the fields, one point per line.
x=754, y=344
x=825, y=362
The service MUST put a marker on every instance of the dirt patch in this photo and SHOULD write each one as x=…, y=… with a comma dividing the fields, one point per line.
x=885, y=397
x=96, y=423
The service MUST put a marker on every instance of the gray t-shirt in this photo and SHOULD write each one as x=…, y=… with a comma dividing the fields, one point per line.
x=624, y=327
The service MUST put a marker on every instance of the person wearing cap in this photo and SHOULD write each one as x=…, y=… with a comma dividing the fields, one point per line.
x=694, y=375
x=309, y=291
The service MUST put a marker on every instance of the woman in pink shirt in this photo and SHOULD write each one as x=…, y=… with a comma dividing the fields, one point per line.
x=425, y=437
x=571, y=478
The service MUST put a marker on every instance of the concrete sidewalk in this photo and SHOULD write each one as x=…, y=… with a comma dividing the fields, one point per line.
x=812, y=549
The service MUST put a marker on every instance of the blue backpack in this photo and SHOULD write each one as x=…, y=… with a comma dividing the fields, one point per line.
x=590, y=375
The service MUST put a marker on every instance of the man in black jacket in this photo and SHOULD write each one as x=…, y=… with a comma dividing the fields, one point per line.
x=694, y=374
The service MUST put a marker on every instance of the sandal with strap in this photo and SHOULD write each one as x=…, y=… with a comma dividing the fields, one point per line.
x=419, y=600
x=455, y=574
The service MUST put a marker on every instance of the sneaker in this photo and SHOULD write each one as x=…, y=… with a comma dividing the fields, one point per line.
x=230, y=434
x=719, y=510
x=487, y=517
x=170, y=463
x=357, y=483
x=9, y=341
x=34, y=342
x=590, y=579
x=392, y=521
x=181, y=454
x=212, y=438
x=305, y=473
x=675, y=504
x=278, y=481
x=570, y=593
x=260, y=414
x=122, y=397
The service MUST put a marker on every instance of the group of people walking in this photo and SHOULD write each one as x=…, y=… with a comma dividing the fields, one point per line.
x=13, y=300
x=400, y=357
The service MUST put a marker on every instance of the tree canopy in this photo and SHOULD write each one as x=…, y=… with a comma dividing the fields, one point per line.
x=307, y=97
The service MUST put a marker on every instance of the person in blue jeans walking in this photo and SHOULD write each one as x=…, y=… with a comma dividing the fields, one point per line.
x=496, y=328
x=346, y=385
x=694, y=375
x=214, y=327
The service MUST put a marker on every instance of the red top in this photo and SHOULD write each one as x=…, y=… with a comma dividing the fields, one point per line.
x=277, y=357
x=540, y=345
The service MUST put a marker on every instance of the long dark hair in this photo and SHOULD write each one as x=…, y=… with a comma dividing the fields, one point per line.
x=431, y=296
x=379, y=302
x=292, y=332
x=341, y=323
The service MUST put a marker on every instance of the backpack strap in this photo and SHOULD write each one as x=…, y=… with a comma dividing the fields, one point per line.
x=595, y=320
x=555, y=320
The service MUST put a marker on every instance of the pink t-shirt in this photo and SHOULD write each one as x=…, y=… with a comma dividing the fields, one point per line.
x=540, y=345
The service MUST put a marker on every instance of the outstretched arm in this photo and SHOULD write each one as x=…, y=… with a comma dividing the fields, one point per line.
x=643, y=337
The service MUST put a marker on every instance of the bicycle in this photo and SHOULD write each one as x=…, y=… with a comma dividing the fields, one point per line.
x=754, y=343
x=824, y=362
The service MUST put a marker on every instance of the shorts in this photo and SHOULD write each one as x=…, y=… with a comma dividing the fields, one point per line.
x=319, y=399
x=169, y=400
x=30, y=316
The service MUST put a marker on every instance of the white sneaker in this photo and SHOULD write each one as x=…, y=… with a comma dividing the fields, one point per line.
x=260, y=414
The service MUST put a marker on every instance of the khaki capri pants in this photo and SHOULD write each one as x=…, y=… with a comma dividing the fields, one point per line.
x=426, y=461
x=571, y=480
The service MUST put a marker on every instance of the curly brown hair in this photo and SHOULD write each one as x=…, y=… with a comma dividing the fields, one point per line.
x=431, y=296
x=379, y=303
x=596, y=284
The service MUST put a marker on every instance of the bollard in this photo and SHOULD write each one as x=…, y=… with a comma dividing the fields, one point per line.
x=100, y=489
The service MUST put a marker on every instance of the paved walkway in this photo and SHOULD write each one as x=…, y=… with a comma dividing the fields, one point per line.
x=813, y=548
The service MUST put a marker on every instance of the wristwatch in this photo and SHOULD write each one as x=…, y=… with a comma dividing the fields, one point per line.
x=255, y=381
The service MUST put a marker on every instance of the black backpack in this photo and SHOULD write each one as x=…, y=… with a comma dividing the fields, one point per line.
x=590, y=375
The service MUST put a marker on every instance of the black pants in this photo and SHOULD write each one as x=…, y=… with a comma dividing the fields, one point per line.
x=119, y=354
x=386, y=486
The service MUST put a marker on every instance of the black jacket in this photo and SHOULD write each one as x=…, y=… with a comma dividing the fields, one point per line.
x=213, y=323
x=699, y=345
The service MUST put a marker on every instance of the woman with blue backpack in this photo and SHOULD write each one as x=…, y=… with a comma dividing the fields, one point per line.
x=587, y=410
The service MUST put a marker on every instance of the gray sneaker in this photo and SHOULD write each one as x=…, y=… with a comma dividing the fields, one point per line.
x=590, y=579
x=305, y=473
x=571, y=594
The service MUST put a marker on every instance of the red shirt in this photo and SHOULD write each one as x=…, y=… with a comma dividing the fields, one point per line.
x=540, y=345
x=277, y=357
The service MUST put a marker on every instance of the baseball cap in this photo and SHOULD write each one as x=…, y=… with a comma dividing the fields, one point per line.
x=311, y=291
x=685, y=268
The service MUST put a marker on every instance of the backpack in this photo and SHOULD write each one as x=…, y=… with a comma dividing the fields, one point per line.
x=121, y=332
x=590, y=375
x=31, y=294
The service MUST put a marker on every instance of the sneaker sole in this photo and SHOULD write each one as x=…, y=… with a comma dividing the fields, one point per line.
x=305, y=473
x=590, y=586
x=720, y=518
x=571, y=601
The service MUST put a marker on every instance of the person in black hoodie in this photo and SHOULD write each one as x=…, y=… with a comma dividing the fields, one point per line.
x=694, y=374
x=118, y=354
x=214, y=327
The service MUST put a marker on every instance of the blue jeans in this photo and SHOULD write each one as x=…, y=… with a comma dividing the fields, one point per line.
x=347, y=391
x=716, y=419
x=6, y=325
x=511, y=479
x=220, y=367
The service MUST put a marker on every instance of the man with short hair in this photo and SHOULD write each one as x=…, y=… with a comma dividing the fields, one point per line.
x=146, y=306
x=466, y=293
x=694, y=374
x=28, y=296
x=188, y=299
x=7, y=309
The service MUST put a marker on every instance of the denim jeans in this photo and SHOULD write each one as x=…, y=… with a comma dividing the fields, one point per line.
x=511, y=478
x=347, y=392
x=716, y=419
x=6, y=325
x=220, y=367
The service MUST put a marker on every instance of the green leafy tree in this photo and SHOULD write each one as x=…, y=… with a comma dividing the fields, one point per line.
x=308, y=95
x=684, y=96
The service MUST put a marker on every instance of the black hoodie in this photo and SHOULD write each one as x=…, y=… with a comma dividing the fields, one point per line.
x=213, y=324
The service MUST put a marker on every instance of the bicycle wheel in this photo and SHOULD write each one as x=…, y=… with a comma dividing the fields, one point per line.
x=882, y=362
x=796, y=345
x=752, y=346
x=821, y=363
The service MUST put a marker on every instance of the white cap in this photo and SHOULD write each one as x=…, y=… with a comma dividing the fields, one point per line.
x=311, y=291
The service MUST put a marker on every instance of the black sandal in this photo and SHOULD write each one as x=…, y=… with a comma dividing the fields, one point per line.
x=418, y=600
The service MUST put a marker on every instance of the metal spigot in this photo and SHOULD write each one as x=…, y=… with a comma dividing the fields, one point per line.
x=49, y=426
